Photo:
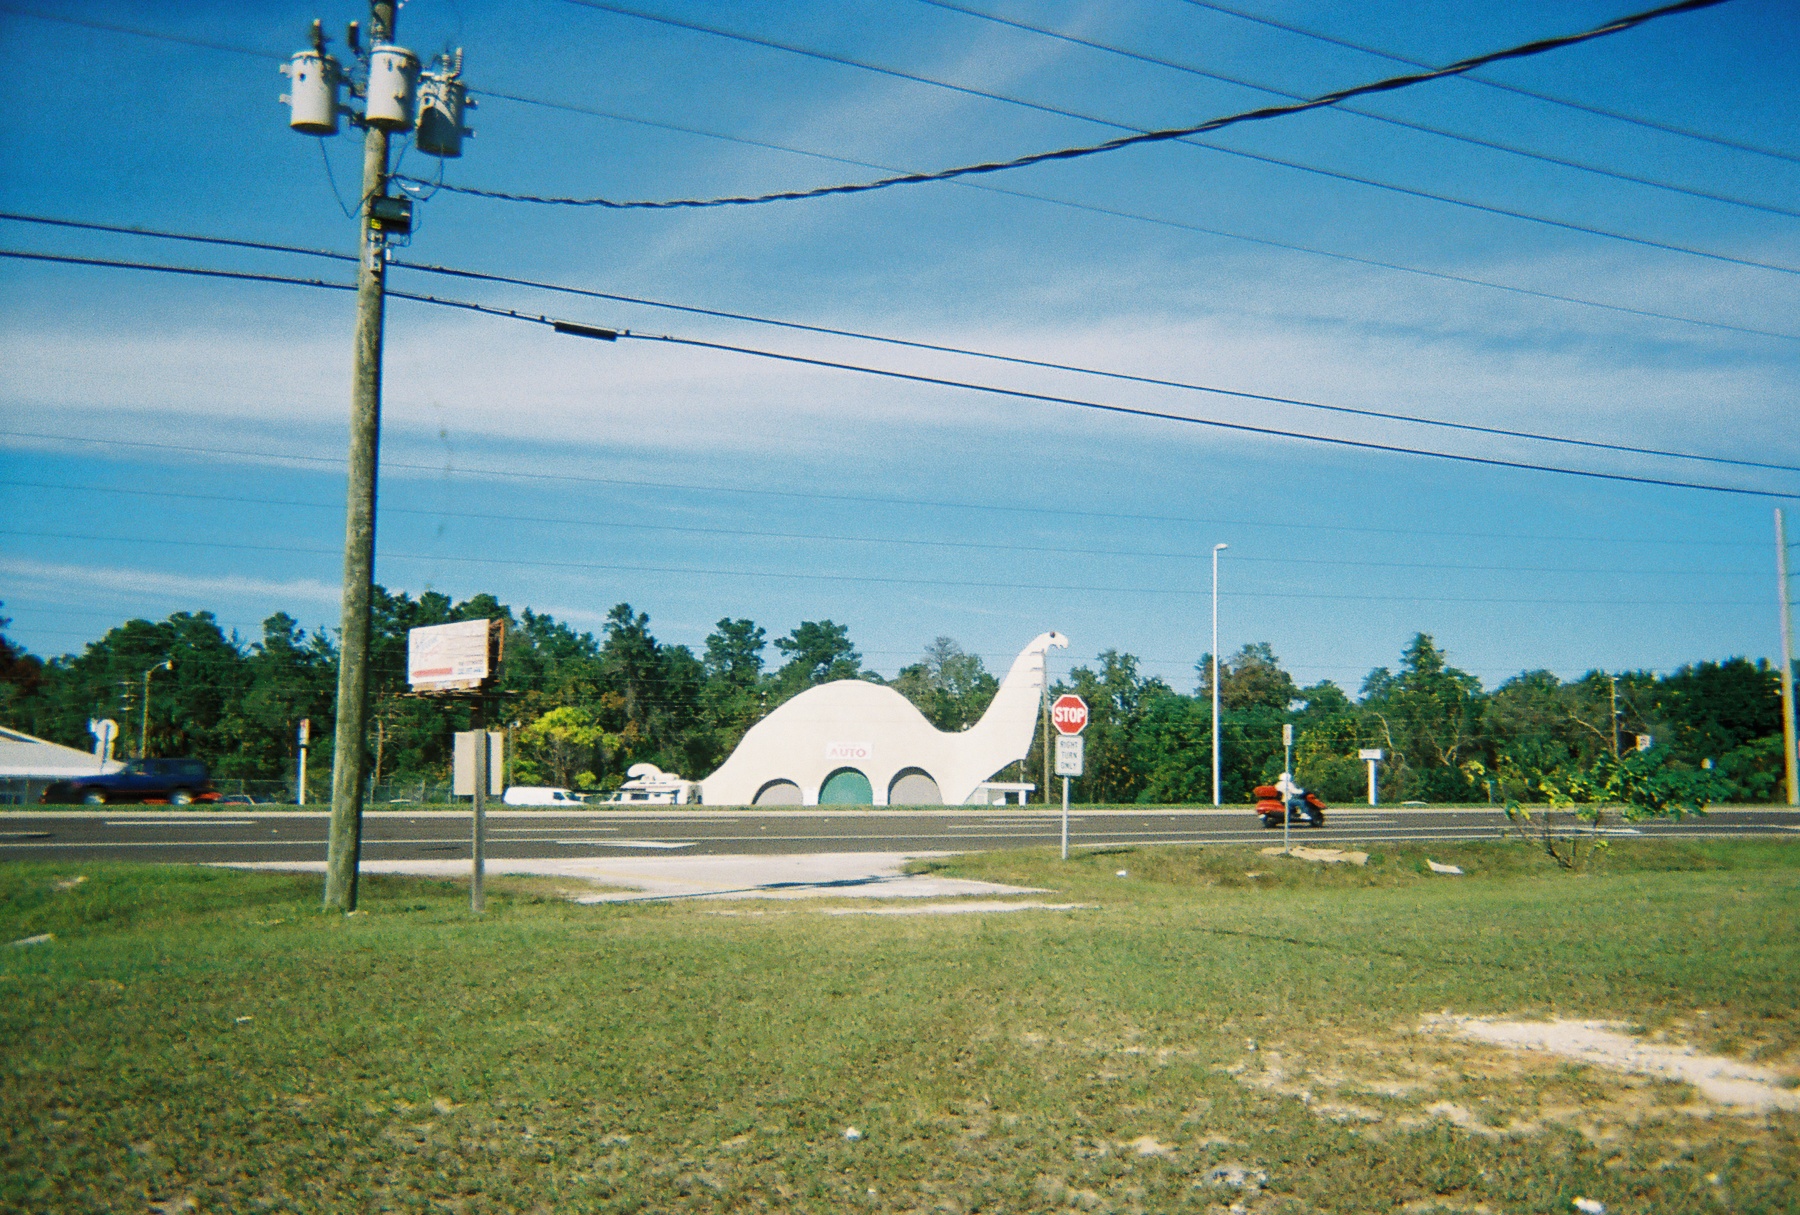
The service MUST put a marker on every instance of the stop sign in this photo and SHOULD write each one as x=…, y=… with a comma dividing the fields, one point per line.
x=1068, y=713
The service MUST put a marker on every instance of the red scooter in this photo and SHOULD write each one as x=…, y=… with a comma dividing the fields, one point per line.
x=1302, y=807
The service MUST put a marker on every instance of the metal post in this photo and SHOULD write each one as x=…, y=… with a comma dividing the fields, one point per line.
x=344, y=853
x=478, y=850
x=1065, y=829
x=1789, y=756
x=1287, y=776
x=305, y=739
x=1217, y=548
x=1372, y=794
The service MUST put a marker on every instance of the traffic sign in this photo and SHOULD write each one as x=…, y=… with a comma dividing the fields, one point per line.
x=1069, y=714
x=1070, y=755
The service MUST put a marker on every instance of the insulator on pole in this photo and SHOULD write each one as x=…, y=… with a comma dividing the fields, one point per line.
x=314, y=79
x=442, y=99
x=393, y=87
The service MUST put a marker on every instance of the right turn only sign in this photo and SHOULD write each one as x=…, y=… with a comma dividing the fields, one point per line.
x=1069, y=756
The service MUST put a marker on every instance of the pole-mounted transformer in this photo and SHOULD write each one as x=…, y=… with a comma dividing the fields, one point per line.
x=442, y=99
x=314, y=79
x=393, y=88
x=398, y=95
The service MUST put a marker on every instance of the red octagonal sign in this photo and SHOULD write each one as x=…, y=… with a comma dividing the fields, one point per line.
x=1068, y=713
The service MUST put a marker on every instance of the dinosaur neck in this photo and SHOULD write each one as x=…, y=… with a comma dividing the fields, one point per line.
x=1012, y=716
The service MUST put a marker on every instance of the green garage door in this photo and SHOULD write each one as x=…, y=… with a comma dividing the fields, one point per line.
x=846, y=787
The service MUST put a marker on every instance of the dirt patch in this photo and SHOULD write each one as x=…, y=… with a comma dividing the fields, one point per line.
x=1728, y=1082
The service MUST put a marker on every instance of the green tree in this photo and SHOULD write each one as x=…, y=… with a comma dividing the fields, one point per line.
x=951, y=688
x=818, y=651
x=1429, y=716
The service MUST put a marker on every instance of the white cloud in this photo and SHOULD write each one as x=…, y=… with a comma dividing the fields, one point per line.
x=44, y=576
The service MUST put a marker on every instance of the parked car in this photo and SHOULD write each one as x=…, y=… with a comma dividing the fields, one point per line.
x=542, y=795
x=179, y=782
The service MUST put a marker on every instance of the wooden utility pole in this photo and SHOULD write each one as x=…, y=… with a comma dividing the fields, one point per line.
x=1789, y=758
x=345, y=848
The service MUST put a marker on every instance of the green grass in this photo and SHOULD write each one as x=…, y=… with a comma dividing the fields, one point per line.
x=207, y=1035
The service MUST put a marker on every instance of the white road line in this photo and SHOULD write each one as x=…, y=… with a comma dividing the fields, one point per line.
x=630, y=843
x=185, y=822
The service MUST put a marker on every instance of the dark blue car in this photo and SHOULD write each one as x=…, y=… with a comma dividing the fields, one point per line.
x=176, y=781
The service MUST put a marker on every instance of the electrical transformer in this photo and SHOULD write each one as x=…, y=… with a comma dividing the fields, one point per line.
x=393, y=87
x=442, y=99
x=314, y=80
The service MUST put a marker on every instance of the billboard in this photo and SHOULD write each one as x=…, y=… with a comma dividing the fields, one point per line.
x=453, y=657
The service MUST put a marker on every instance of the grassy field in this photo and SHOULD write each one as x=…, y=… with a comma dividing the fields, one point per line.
x=197, y=1039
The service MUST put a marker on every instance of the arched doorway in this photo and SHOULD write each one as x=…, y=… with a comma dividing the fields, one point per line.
x=914, y=787
x=846, y=787
x=778, y=793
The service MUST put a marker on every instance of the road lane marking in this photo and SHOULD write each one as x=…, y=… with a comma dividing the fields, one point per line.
x=629, y=843
x=180, y=822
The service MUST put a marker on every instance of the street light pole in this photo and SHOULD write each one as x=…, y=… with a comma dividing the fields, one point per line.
x=1787, y=661
x=1217, y=549
x=144, y=732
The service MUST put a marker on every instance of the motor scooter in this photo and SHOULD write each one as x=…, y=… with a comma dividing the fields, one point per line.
x=1303, y=808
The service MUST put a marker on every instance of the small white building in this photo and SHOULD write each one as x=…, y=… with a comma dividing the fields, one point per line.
x=29, y=763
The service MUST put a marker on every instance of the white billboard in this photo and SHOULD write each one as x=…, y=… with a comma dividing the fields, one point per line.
x=442, y=657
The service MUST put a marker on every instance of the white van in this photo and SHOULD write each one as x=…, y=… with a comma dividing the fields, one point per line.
x=542, y=795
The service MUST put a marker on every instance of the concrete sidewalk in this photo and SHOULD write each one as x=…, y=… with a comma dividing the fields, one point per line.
x=861, y=875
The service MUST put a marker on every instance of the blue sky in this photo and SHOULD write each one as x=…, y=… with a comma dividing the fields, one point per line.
x=177, y=444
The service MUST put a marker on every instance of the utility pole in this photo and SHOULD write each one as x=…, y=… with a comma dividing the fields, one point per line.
x=345, y=848
x=1789, y=758
x=1217, y=549
x=1613, y=680
x=144, y=732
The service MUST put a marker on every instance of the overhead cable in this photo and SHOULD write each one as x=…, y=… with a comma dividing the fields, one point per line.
x=1034, y=509
x=1412, y=419
x=990, y=187
x=1475, y=141
x=920, y=345
x=1633, y=119
x=886, y=580
x=903, y=541
x=1159, y=221
x=1138, y=135
x=611, y=334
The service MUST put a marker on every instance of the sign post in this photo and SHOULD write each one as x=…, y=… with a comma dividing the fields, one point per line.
x=1287, y=780
x=474, y=772
x=1070, y=717
x=305, y=737
x=1371, y=756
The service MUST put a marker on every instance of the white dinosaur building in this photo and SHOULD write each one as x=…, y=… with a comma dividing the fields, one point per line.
x=853, y=742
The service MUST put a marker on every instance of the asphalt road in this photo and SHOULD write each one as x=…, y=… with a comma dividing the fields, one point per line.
x=162, y=834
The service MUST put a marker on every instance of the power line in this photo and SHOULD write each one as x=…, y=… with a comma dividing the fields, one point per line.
x=588, y=293
x=1058, y=202
x=1495, y=84
x=1092, y=371
x=196, y=238
x=886, y=580
x=866, y=499
x=606, y=334
x=1472, y=140
x=1049, y=398
x=751, y=533
x=1138, y=135
x=190, y=271
x=1158, y=221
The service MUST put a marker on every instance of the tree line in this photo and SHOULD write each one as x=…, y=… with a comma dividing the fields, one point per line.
x=583, y=708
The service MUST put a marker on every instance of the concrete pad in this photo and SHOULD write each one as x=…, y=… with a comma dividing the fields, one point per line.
x=861, y=875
